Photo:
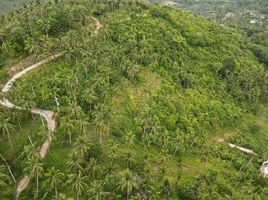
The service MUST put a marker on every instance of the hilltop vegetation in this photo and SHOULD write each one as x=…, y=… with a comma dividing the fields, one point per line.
x=147, y=104
x=249, y=15
x=7, y=5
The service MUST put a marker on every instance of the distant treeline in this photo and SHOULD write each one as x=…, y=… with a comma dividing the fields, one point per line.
x=7, y=5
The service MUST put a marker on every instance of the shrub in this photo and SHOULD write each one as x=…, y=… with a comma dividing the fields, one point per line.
x=116, y=132
x=186, y=193
x=254, y=128
x=229, y=65
x=3, y=74
x=95, y=151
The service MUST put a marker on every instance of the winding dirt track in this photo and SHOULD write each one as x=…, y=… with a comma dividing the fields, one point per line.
x=46, y=114
x=51, y=122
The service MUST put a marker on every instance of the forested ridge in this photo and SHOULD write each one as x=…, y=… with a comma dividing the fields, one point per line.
x=146, y=99
x=248, y=15
x=7, y=5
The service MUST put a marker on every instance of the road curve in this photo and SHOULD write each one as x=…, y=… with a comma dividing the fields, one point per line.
x=264, y=166
x=47, y=114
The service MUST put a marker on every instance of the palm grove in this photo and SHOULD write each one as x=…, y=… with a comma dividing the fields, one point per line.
x=141, y=104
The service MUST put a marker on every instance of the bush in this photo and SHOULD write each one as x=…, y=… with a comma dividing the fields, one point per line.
x=116, y=132
x=261, y=53
x=229, y=65
x=3, y=74
x=223, y=189
x=95, y=151
x=186, y=193
x=260, y=181
x=156, y=13
x=254, y=128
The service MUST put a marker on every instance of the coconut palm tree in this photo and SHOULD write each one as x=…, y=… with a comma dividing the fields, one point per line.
x=7, y=128
x=68, y=126
x=16, y=116
x=63, y=197
x=75, y=164
x=127, y=182
x=28, y=152
x=45, y=25
x=133, y=71
x=16, y=91
x=75, y=110
x=113, y=151
x=81, y=147
x=89, y=96
x=153, y=192
x=96, y=191
x=99, y=124
x=4, y=179
x=82, y=125
x=177, y=142
x=77, y=183
x=257, y=192
x=129, y=138
x=129, y=158
x=28, y=104
x=54, y=178
x=8, y=167
x=165, y=188
x=35, y=168
x=92, y=168
x=5, y=184
x=94, y=61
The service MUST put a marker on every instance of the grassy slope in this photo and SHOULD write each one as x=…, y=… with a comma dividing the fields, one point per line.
x=189, y=104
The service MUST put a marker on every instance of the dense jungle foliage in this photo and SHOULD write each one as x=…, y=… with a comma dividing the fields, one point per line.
x=249, y=15
x=149, y=99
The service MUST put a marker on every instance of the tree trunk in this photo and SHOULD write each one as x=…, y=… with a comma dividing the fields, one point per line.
x=42, y=121
x=8, y=135
x=37, y=187
x=20, y=125
x=70, y=138
x=85, y=71
x=8, y=167
x=175, y=151
x=108, y=128
x=30, y=140
x=100, y=139
x=33, y=90
x=29, y=25
x=5, y=46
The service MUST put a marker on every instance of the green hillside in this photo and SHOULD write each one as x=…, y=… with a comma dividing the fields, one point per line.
x=248, y=15
x=149, y=98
